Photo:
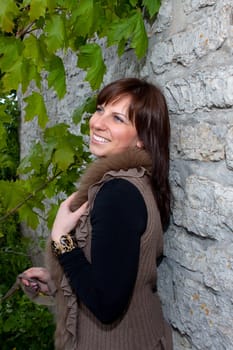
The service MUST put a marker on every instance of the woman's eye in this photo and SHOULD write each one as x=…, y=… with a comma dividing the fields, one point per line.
x=99, y=109
x=118, y=119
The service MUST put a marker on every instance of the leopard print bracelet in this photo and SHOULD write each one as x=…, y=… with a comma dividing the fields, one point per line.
x=65, y=244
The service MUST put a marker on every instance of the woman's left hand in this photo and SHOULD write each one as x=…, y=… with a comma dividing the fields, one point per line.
x=66, y=220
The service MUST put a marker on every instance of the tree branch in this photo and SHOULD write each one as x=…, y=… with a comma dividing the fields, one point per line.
x=20, y=33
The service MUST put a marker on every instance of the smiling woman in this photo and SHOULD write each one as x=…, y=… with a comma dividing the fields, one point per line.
x=107, y=236
x=111, y=131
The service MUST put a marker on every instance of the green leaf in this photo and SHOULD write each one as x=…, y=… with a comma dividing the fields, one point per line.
x=34, y=187
x=64, y=156
x=37, y=8
x=38, y=159
x=121, y=47
x=55, y=33
x=6, y=160
x=21, y=72
x=3, y=137
x=8, y=11
x=133, y=2
x=36, y=107
x=35, y=50
x=120, y=29
x=15, y=194
x=88, y=106
x=131, y=30
x=85, y=128
x=152, y=6
x=83, y=17
x=90, y=58
x=65, y=145
x=13, y=77
x=4, y=117
x=12, y=193
x=18, y=69
x=26, y=214
x=57, y=75
x=30, y=73
x=55, y=132
x=50, y=190
x=139, y=37
x=10, y=52
x=51, y=5
x=24, y=166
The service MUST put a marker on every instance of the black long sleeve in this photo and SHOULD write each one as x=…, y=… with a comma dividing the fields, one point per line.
x=118, y=219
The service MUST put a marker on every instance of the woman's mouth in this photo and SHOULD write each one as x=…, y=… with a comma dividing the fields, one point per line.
x=99, y=139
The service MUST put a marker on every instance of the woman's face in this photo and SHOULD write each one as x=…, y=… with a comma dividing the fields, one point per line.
x=111, y=131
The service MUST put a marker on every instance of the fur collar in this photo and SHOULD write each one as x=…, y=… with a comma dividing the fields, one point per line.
x=131, y=158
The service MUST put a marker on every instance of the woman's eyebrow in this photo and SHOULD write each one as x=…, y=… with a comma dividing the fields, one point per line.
x=124, y=115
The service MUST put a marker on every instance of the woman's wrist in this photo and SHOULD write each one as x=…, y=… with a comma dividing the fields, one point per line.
x=57, y=236
x=64, y=244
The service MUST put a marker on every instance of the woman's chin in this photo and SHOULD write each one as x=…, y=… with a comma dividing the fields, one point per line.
x=97, y=151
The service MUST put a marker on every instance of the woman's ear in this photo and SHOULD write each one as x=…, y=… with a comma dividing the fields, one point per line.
x=139, y=144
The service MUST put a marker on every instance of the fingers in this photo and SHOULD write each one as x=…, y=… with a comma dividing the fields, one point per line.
x=84, y=205
x=39, y=273
x=69, y=199
x=67, y=202
x=80, y=211
x=66, y=219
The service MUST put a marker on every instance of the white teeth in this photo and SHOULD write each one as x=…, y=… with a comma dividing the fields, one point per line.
x=99, y=139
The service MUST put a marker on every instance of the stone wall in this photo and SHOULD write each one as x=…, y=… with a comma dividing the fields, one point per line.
x=191, y=57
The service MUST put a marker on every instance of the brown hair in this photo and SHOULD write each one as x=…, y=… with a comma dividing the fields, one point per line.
x=148, y=111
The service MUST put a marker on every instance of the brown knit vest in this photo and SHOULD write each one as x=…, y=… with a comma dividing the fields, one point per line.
x=142, y=326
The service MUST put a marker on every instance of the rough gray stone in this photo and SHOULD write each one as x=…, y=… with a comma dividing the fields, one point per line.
x=192, y=40
x=205, y=208
x=208, y=88
x=196, y=142
x=229, y=148
x=193, y=5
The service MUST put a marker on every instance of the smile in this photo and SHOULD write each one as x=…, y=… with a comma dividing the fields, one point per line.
x=99, y=139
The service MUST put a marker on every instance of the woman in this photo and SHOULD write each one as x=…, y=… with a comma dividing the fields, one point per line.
x=101, y=256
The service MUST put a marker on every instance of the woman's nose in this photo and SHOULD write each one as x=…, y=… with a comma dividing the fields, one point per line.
x=99, y=122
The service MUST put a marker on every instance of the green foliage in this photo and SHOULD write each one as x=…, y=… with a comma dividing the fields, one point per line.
x=90, y=59
x=152, y=6
x=51, y=167
x=36, y=107
x=24, y=325
x=121, y=31
x=9, y=152
x=87, y=107
x=21, y=322
x=35, y=32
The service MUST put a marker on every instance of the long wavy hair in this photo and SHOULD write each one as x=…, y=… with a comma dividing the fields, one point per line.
x=149, y=113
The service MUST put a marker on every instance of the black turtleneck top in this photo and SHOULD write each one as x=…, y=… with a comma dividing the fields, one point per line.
x=118, y=219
